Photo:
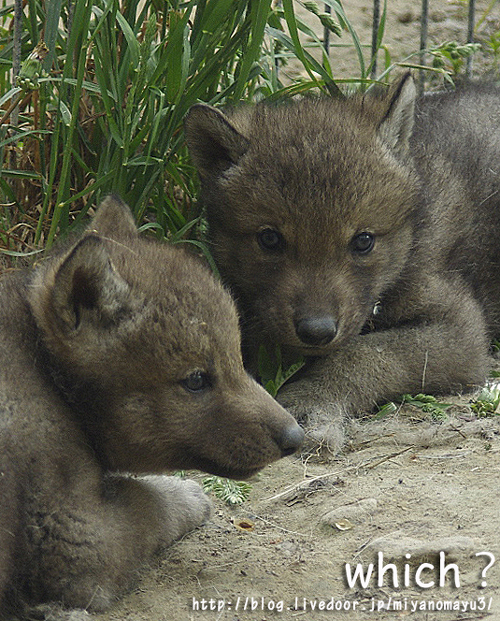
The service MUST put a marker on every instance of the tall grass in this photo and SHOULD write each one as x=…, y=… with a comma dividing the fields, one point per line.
x=103, y=90
x=107, y=116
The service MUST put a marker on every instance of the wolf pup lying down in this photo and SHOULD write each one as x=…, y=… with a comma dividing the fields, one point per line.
x=119, y=355
x=363, y=233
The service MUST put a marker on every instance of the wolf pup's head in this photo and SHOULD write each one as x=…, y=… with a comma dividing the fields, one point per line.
x=310, y=207
x=145, y=346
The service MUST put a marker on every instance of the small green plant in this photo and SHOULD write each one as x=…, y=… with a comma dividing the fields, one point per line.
x=452, y=54
x=227, y=490
x=493, y=43
x=230, y=491
x=427, y=403
x=488, y=400
x=271, y=371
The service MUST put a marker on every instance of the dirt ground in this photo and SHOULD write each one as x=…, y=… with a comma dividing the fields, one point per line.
x=447, y=21
x=405, y=490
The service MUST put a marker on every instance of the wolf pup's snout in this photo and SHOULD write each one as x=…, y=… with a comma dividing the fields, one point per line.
x=316, y=330
x=291, y=439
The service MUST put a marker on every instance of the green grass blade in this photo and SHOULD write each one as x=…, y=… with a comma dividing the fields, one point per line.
x=51, y=28
x=346, y=24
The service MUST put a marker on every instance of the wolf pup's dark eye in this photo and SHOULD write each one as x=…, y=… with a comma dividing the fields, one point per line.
x=363, y=243
x=196, y=381
x=270, y=239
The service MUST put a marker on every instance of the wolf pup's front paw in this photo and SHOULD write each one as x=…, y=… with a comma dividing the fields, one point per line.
x=185, y=505
x=323, y=418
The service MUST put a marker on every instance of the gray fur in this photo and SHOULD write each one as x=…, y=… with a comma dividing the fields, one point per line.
x=96, y=344
x=423, y=177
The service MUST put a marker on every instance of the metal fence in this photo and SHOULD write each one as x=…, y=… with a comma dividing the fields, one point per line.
x=424, y=21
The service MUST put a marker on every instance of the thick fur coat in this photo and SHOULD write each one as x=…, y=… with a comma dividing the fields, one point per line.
x=118, y=355
x=363, y=233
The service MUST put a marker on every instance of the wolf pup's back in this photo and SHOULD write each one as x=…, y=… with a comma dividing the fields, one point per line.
x=118, y=355
x=364, y=233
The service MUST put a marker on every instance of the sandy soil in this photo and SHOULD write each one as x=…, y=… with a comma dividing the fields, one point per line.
x=406, y=488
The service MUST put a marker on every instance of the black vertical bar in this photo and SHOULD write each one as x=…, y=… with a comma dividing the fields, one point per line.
x=424, y=21
x=470, y=35
x=375, y=27
x=326, y=31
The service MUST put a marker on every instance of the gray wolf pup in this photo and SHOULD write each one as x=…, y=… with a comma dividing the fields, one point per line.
x=118, y=355
x=363, y=233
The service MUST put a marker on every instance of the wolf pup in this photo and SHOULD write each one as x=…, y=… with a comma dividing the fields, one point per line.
x=118, y=355
x=363, y=233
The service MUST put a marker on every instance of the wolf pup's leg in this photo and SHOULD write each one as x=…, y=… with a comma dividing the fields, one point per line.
x=90, y=553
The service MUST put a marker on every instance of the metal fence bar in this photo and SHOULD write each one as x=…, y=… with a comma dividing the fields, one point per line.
x=375, y=27
x=326, y=31
x=470, y=35
x=424, y=26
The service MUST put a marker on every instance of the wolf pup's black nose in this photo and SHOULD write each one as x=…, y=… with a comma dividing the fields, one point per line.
x=316, y=330
x=292, y=438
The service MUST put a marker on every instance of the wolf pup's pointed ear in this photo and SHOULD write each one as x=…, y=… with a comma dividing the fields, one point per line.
x=214, y=143
x=87, y=288
x=396, y=126
x=114, y=219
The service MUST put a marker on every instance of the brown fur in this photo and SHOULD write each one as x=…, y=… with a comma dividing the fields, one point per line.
x=118, y=355
x=289, y=188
